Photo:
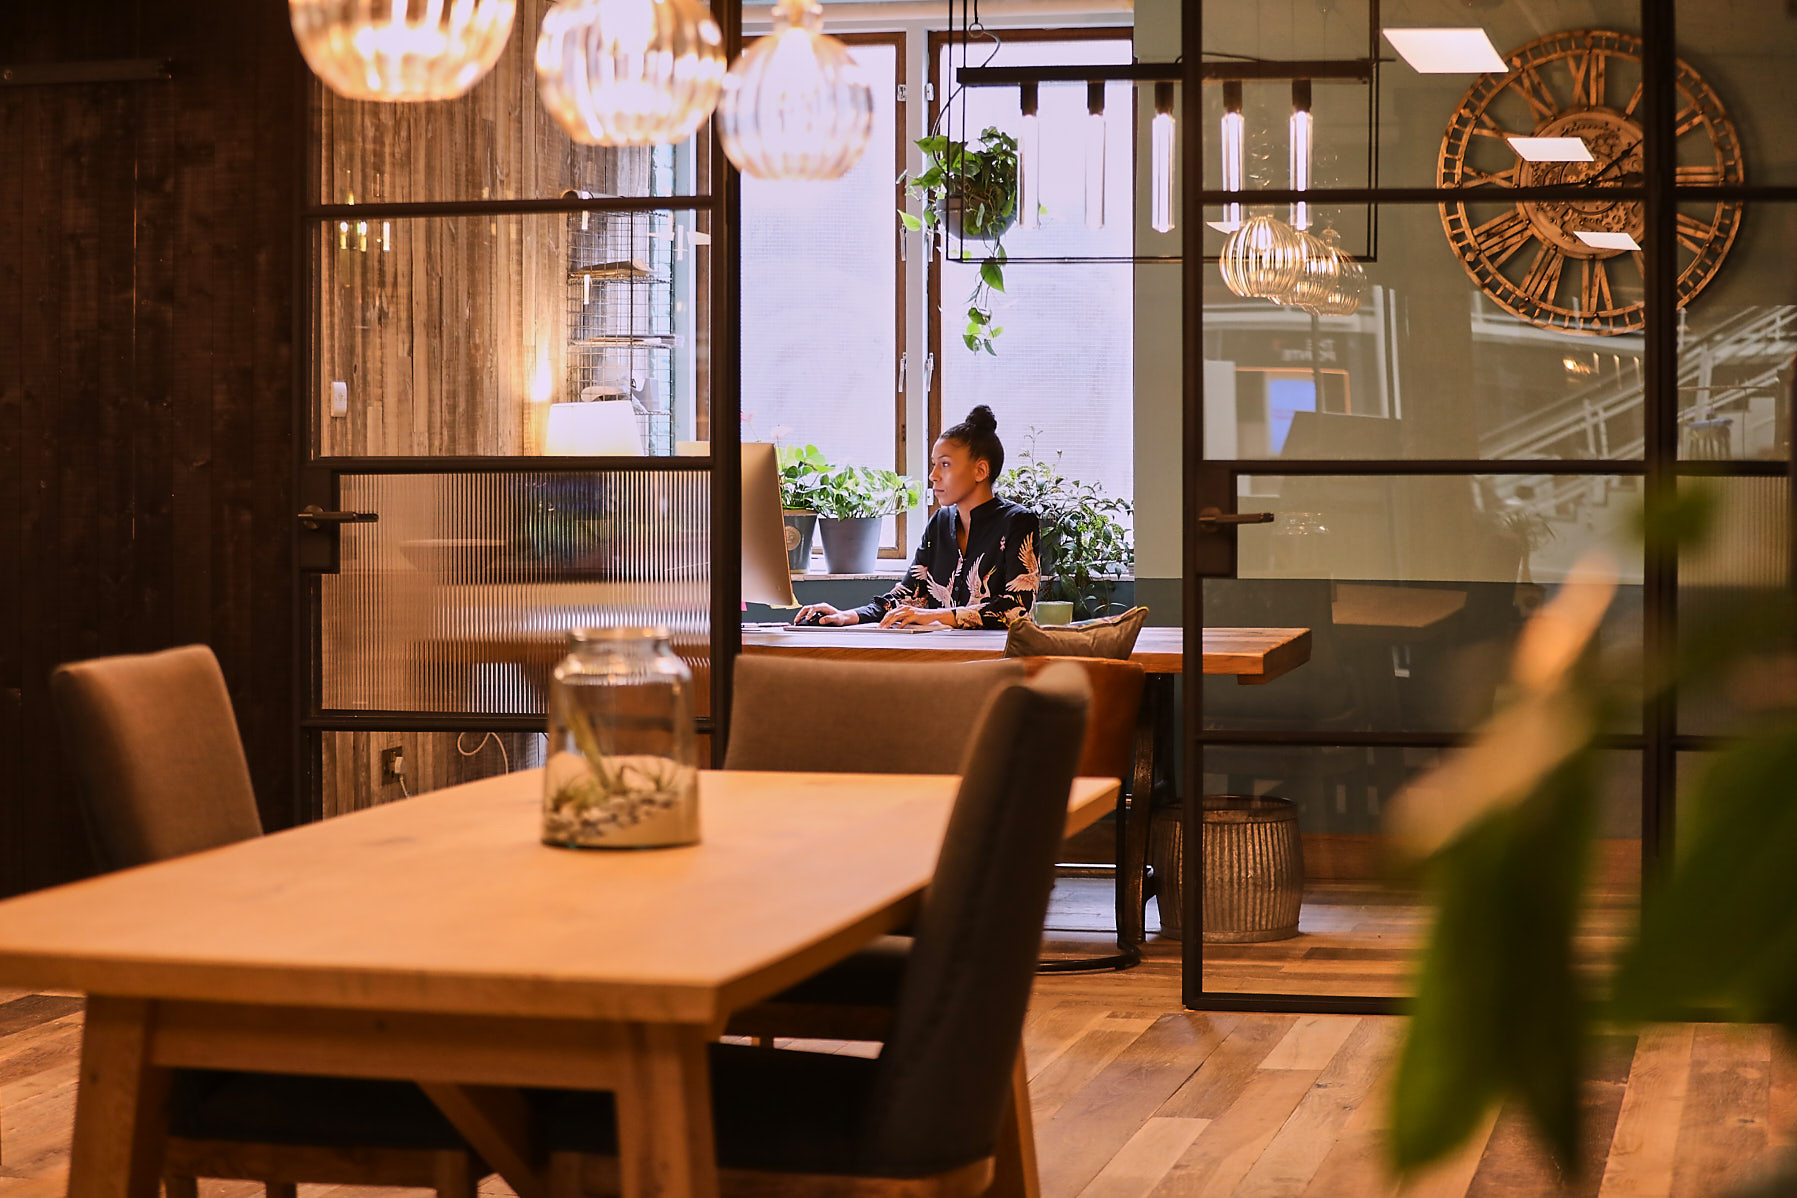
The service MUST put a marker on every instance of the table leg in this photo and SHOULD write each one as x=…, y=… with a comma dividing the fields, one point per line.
x=495, y=1120
x=1152, y=758
x=121, y=1107
x=664, y=1114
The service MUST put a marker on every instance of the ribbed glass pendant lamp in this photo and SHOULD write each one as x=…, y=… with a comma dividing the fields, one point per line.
x=401, y=49
x=795, y=106
x=630, y=72
x=1262, y=259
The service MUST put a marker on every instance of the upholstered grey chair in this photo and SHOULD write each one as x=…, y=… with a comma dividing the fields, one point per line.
x=938, y=1110
x=162, y=773
x=847, y=717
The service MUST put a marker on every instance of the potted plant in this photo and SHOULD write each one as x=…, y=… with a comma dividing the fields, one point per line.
x=851, y=503
x=1084, y=547
x=971, y=191
x=802, y=471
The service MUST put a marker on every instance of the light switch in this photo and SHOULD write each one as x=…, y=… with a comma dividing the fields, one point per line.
x=339, y=398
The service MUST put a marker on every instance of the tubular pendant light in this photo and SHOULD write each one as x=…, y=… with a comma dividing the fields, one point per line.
x=629, y=72
x=1300, y=134
x=1029, y=159
x=795, y=106
x=1160, y=186
x=1232, y=142
x=1095, y=155
x=401, y=49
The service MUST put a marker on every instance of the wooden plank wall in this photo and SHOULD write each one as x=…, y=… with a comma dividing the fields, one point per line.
x=145, y=379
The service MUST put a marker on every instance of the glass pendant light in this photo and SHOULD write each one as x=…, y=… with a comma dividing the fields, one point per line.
x=1261, y=260
x=795, y=106
x=1095, y=155
x=1319, y=276
x=1029, y=159
x=1350, y=285
x=1300, y=133
x=1160, y=187
x=1232, y=140
x=629, y=72
x=401, y=49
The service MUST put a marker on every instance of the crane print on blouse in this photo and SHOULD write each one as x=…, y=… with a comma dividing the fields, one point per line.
x=994, y=588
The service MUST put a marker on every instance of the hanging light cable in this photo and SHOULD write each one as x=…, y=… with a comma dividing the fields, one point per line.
x=1300, y=136
x=795, y=106
x=1029, y=159
x=1095, y=154
x=401, y=49
x=1231, y=140
x=1160, y=187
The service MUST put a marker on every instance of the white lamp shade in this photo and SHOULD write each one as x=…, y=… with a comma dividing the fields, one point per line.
x=795, y=105
x=606, y=428
x=629, y=72
x=401, y=49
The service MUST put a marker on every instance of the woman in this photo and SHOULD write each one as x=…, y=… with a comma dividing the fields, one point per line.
x=976, y=565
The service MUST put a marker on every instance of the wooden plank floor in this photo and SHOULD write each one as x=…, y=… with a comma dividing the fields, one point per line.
x=1135, y=1097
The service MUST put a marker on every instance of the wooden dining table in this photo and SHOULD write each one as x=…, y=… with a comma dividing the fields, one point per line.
x=437, y=940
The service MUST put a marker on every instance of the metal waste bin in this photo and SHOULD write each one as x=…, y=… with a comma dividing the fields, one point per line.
x=1254, y=869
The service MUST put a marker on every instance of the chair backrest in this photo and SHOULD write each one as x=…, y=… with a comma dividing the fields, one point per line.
x=155, y=748
x=945, y=1072
x=1109, y=750
x=823, y=716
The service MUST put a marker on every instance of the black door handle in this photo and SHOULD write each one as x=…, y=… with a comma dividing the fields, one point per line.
x=312, y=517
x=1211, y=519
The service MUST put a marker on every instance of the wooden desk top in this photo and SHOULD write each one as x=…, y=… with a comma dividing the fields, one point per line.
x=447, y=902
x=1252, y=654
x=1396, y=608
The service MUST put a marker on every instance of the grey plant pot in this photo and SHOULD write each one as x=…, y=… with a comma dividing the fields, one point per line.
x=799, y=527
x=852, y=545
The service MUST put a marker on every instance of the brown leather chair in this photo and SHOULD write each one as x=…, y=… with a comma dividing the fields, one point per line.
x=938, y=1114
x=1109, y=751
x=155, y=747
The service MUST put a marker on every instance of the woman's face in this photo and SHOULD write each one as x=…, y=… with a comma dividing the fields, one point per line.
x=954, y=473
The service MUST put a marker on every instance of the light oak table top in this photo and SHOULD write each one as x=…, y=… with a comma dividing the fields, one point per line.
x=1250, y=654
x=447, y=902
x=437, y=940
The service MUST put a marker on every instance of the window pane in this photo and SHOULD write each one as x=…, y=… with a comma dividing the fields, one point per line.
x=497, y=142
x=466, y=335
x=1064, y=364
x=820, y=297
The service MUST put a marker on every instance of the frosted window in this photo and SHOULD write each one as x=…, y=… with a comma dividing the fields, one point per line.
x=820, y=298
x=1064, y=362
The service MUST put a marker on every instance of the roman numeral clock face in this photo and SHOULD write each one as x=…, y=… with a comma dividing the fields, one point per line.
x=1529, y=257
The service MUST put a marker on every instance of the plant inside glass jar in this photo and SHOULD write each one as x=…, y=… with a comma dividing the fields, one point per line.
x=595, y=791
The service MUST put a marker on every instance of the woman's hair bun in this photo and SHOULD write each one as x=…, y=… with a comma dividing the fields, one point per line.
x=983, y=419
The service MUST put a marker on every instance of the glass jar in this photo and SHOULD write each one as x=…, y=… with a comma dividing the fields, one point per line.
x=622, y=769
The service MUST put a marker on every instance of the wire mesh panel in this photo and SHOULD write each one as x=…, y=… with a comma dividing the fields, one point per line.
x=459, y=599
x=621, y=334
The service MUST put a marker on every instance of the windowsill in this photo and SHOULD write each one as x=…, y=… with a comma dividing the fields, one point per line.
x=820, y=576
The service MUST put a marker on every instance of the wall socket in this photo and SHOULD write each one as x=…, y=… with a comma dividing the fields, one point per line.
x=393, y=765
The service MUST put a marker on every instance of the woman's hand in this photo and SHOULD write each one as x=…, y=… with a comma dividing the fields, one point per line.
x=900, y=617
x=824, y=613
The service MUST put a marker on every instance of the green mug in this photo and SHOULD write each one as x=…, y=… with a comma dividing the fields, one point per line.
x=1054, y=611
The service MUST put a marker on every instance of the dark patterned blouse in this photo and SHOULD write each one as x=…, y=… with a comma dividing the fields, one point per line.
x=989, y=586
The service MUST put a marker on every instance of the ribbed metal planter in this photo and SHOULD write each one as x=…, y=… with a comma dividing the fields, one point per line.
x=1253, y=869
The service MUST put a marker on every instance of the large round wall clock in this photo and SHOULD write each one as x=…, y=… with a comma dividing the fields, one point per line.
x=1530, y=257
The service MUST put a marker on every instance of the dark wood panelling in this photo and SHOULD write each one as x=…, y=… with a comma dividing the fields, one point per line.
x=146, y=277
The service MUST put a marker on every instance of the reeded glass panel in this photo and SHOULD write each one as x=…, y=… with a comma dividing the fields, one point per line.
x=1414, y=589
x=1736, y=575
x=497, y=142
x=1064, y=363
x=1745, y=48
x=1359, y=928
x=1737, y=359
x=1436, y=104
x=355, y=776
x=820, y=312
x=479, y=335
x=460, y=598
x=1431, y=365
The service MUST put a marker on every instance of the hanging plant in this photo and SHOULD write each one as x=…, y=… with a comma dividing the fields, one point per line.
x=970, y=190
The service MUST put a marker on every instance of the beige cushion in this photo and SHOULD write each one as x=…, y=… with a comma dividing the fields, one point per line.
x=851, y=717
x=1112, y=636
x=154, y=745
